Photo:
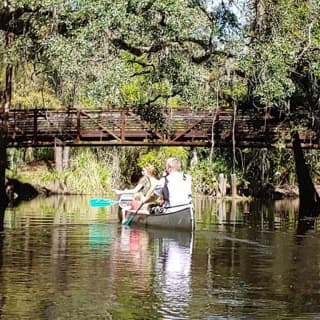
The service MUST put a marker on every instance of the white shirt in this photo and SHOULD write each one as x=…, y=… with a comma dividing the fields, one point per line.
x=179, y=187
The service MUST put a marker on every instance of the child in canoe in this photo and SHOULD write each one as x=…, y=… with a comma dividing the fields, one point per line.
x=137, y=201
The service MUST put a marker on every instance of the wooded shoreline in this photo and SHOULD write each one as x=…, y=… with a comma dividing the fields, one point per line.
x=18, y=191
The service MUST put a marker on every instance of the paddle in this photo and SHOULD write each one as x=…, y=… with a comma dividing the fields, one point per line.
x=102, y=202
x=131, y=218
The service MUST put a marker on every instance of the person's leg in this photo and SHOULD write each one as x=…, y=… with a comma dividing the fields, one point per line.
x=123, y=215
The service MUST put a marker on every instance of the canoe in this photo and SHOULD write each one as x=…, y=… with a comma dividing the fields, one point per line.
x=124, y=202
x=177, y=217
x=125, y=199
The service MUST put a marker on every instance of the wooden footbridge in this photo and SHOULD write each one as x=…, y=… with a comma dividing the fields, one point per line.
x=40, y=128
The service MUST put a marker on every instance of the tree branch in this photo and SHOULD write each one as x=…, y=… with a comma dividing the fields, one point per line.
x=137, y=51
x=142, y=64
x=11, y=21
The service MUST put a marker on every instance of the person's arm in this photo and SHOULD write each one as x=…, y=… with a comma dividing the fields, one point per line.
x=151, y=198
x=156, y=192
x=136, y=189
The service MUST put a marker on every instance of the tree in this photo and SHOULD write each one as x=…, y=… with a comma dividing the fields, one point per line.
x=281, y=63
x=100, y=51
x=142, y=53
x=282, y=69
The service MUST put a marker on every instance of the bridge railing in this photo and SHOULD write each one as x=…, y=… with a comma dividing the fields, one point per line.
x=42, y=127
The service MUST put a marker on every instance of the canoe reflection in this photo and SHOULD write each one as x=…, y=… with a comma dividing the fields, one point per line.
x=173, y=268
x=164, y=255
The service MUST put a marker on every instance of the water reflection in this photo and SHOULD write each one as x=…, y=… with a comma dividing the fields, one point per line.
x=156, y=259
x=57, y=210
x=62, y=259
x=100, y=236
x=305, y=225
x=2, y=299
x=264, y=215
x=173, y=270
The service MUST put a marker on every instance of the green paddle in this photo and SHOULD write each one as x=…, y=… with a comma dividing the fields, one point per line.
x=132, y=216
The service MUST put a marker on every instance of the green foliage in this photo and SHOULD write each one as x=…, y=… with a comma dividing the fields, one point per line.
x=142, y=53
x=281, y=64
x=130, y=171
x=157, y=157
x=35, y=100
x=206, y=170
x=274, y=85
x=97, y=170
x=132, y=159
x=106, y=53
x=86, y=175
x=204, y=178
x=262, y=167
x=149, y=54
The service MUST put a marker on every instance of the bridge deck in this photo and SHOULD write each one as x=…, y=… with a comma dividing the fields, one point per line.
x=40, y=127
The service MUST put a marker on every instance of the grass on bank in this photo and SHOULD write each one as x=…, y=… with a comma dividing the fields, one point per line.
x=85, y=175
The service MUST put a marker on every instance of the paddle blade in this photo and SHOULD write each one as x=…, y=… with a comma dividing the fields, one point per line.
x=102, y=202
x=129, y=221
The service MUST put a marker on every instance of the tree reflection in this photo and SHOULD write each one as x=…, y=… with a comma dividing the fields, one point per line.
x=309, y=200
x=2, y=302
x=304, y=225
x=2, y=211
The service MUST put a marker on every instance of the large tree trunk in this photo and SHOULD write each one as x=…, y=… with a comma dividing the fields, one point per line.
x=309, y=199
x=5, y=107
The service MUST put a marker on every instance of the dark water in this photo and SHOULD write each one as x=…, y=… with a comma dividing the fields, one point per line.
x=61, y=259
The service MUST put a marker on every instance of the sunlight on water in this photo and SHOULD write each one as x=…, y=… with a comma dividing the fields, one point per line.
x=62, y=259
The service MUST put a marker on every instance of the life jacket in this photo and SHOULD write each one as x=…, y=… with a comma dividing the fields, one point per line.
x=165, y=190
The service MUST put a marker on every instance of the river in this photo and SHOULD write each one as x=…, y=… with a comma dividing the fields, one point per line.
x=62, y=259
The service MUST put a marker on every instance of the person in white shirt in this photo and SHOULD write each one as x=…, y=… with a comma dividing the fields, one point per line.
x=174, y=187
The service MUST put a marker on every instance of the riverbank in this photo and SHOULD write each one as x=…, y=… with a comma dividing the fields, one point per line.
x=34, y=179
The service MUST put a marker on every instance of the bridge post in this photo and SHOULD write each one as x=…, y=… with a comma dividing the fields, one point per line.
x=123, y=125
x=221, y=185
x=78, y=126
x=233, y=185
x=58, y=154
x=35, y=125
